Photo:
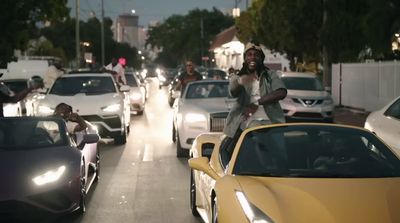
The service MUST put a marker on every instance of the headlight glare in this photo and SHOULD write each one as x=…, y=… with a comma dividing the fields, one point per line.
x=49, y=176
x=253, y=214
x=192, y=117
x=135, y=96
x=111, y=108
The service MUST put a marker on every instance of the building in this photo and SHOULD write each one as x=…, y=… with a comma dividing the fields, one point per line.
x=127, y=30
x=228, y=52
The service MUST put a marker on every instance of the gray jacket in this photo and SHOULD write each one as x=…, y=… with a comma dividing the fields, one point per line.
x=269, y=82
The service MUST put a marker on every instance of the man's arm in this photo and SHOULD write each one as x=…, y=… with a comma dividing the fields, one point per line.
x=74, y=117
x=273, y=97
x=19, y=96
x=234, y=86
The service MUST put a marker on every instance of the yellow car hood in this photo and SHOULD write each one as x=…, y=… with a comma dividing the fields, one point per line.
x=305, y=200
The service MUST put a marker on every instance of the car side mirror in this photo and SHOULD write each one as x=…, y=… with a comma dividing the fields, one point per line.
x=124, y=88
x=202, y=164
x=87, y=139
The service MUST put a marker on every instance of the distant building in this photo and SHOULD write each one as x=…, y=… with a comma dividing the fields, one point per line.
x=228, y=52
x=127, y=30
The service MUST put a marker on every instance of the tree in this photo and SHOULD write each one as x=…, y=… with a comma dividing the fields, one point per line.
x=19, y=19
x=181, y=37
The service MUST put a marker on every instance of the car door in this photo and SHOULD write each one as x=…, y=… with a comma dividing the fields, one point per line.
x=389, y=126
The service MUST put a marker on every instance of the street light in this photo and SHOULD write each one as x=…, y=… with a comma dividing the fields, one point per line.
x=133, y=11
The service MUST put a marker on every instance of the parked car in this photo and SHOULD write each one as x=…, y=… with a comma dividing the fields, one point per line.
x=171, y=90
x=165, y=77
x=385, y=122
x=137, y=94
x=43, y=169
x=202, y=107
x=293, y=173
x=307, y=100
x=97, y=99
x=19, y=108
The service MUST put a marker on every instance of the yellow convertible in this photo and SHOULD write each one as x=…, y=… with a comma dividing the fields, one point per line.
x=295, y=173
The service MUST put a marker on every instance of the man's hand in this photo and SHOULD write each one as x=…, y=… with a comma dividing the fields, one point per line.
x=73, y=117
x=245, y=79
x=249, y=111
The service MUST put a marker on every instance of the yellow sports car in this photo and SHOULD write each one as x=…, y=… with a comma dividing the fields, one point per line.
x=295, y=173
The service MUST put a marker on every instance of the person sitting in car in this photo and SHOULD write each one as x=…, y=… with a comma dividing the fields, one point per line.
x=75, y=123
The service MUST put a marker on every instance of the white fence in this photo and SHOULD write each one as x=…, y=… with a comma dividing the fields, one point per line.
x=366, y=86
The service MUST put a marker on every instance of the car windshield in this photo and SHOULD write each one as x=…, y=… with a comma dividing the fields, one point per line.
x=394, y=110
x=315, y=151
x=31, y=133
x=131, y=80
x=303, y=83
x=90, y=85
x=207, y=90
x=16, y=86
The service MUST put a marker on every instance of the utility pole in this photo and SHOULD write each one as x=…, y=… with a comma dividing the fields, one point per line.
x=77, y=40
x=325, y=54
x=201, y=39
x=102, y=33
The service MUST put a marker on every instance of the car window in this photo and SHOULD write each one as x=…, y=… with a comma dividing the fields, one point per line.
x=16, y=86
x=131, y=80
x=315, y=151
x=26, y=134
x=394, y=110
x=207, y=90
x=90, y=85
x=303, y=83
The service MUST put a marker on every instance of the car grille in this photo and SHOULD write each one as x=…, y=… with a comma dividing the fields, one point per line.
x=217, y=121
x=112, y=121
x=308, y=102
x=307, y=115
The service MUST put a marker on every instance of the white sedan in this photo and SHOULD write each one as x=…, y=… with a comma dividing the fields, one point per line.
x=202, y=107
x=386, y=123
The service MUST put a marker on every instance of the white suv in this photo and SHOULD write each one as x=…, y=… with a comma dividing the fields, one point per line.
x=95, y=97
x=307, y=99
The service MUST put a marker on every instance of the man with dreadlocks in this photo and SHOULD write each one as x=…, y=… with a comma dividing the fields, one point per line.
x=258, y=91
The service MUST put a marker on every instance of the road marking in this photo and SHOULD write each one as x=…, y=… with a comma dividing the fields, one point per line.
x=148, y=153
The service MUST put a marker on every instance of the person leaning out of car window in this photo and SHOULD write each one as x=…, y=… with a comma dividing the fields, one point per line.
x=258, y=91
x=7, y=96
x=75, y=123
x=189, y=75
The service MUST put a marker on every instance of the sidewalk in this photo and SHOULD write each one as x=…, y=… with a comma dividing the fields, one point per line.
x=348, y=116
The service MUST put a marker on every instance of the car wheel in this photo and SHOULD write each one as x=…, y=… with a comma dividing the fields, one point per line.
x=180, y=152
x=193, y=206
x=82, y=202
x=173, y=133
x=214, y=211
x=97, y=177
x=120, y=139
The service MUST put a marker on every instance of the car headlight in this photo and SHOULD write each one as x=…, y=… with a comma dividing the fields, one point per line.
x=111, y=108
x=328, y=101
x=192, y=118
x=196, y=121
x=135, y=96
x=45, y=110
x=49, y=176
x=161, y=78
x=253, y=214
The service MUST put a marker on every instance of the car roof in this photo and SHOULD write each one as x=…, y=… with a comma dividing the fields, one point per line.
x=297, y=74
x=87, y=74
